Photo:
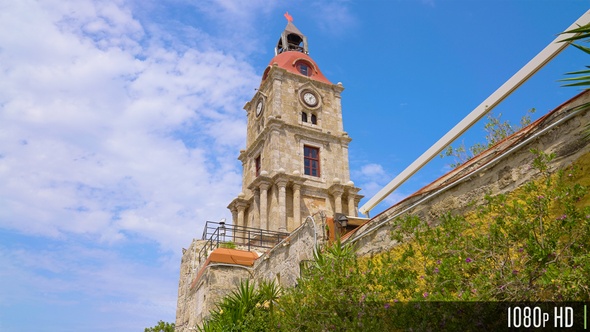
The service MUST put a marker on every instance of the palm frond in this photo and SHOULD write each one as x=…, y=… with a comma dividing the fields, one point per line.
x=583, y=48
x=583, y=78
x=583, y=31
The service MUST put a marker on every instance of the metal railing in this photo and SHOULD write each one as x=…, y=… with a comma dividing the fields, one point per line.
x=217, y=233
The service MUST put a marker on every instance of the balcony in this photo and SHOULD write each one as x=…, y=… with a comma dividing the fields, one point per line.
x=237, y=237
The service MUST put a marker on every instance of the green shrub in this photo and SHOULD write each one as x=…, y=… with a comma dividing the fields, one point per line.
x=528, y=245
x=228, y=245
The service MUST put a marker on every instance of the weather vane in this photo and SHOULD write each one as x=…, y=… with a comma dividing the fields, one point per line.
x=288, y=17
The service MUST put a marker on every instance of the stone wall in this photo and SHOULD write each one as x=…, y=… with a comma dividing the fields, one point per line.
x=282, y=263
x=500, y=169
x=197, y=295
x=274, y=180
x=189, y=266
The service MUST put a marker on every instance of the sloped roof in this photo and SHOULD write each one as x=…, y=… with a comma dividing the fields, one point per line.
x=227, y=256
x=484, y=158
x=291, y=28
x=287, y=61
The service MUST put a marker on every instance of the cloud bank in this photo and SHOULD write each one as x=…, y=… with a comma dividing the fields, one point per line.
x=118, y=139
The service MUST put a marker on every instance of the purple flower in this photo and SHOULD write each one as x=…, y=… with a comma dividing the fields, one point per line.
x=395, y=300
x=438, y=261
x=468, y=260
x=520, y=249
x=436, y=270
x=425, y=294
x=563, y=216
x=363, y=298
x=386, y=306
x=540, y=197
x=515, y=272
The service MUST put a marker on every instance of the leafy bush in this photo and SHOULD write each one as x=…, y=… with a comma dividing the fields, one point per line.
x=496, y=130
x=228, y=245
x=246, y=309
x=529, y=245
x=161, y=327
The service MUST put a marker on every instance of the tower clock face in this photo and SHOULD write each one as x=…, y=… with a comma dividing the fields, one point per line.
x=310, y=99
x=259, y=107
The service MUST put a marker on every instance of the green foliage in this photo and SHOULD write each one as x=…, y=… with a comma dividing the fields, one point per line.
x=582, y=77
x=228, y=245
x=496, y=130
x=161, y=327
x=528, y=245
x=331, y=297
x=246, y=309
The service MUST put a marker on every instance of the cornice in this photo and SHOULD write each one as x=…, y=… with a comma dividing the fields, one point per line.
x=261, y=180
x=238, y=202
x=300, y=132
x=272, y=124
x=277, y=72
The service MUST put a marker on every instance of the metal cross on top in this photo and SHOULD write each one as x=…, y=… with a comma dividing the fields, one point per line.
x=288, y=17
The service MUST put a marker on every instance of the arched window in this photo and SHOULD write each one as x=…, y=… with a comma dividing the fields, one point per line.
x=257, y=164
x=303, y=117
x=303, y=67
x=265, y=75
x=314, y=119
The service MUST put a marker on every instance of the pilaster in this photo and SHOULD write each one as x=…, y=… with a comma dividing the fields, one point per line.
x=261, y=185
x=297, y=203
x=238, y=207
x=281, y=180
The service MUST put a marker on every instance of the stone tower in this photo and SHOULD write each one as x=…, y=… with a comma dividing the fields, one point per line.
x=296, y=159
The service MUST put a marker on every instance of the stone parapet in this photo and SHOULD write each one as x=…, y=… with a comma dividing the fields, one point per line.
x=198, y=295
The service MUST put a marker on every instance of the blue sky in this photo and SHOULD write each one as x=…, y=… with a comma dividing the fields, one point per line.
x=121, y=122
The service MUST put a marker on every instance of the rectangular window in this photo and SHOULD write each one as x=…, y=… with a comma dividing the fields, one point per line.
x=257, y=165
x=303, y=117
x=303, y=69
x=311, y=160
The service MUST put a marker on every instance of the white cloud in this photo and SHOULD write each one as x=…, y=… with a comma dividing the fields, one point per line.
x=334, y=16
x=237, y=20
x=90, y=137
x=114, y=134
x=72, y=276
x=429, y=3
x=372, y=178
x=371, y=170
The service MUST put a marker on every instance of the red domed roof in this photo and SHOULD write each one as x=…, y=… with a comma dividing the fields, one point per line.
x=291, y=60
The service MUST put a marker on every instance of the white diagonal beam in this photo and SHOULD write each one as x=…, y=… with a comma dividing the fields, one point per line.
x=540, y=60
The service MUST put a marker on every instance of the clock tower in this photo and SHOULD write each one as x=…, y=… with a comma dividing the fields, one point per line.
x=295, y=163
